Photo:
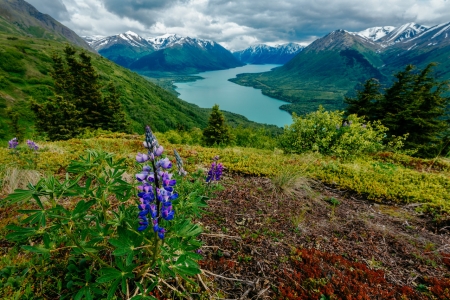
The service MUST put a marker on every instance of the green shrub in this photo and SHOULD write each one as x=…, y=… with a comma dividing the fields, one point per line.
x=328, y=133
x=11, y=62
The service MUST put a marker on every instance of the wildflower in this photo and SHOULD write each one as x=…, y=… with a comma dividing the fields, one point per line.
x=140, y=158
x=181, y=171
x=12, y=144
x=215, y=172
x=32, y=145
x=156, y=190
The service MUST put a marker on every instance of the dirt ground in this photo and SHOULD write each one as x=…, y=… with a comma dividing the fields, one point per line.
x=300, y=239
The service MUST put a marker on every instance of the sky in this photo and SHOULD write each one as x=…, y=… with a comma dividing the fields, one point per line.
x=238, y=24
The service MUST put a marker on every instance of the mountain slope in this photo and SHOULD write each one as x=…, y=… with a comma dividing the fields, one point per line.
x=264, y=54
x=187, y=55
x=332, y=66
x=27, y=20
x=123, y=49
x=321, y=74
x=168, y=53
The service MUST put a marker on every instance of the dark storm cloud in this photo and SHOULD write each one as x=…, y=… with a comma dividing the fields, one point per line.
x=240, y=23
x=54, y=8
x=301, y=19
x=145, y=11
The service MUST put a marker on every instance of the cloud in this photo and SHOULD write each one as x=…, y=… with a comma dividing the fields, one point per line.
x=239, y=23
x=54, y=8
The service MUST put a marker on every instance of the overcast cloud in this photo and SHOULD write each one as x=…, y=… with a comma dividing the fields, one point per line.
x=238, y=24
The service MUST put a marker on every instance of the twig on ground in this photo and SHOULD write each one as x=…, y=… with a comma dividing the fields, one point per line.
x=223, y=236
x=227, y=278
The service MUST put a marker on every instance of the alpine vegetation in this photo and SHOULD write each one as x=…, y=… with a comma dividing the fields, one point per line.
x=90, y=226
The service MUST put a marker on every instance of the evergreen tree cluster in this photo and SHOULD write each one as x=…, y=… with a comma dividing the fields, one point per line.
x=416, y=104
x=79, y=102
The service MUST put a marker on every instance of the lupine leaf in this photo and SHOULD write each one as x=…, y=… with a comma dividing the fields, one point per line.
x=113, y=288
x=109, y=274
x=36, y=249
x=19, y=195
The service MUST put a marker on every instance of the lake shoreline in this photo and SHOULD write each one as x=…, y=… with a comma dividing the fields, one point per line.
x=216, y=87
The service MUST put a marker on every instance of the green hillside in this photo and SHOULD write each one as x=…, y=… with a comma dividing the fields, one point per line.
x=333, y=66
x=322, y=74
x=29, y=21
x=25, y=64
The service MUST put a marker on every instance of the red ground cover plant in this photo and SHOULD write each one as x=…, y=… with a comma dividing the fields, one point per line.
x=440, y=288
x=320, y=275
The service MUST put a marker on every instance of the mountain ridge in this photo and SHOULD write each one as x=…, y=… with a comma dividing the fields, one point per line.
x=167, y=53
x=29, y=21
x=265, y=54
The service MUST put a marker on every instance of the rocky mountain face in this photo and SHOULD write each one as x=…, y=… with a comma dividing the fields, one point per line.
x=29, y=21
x=264, y=54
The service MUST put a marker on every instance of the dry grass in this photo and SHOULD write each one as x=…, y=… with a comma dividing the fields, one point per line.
x=15, y=178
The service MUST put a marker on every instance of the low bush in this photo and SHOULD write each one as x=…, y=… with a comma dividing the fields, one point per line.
x=330, y=134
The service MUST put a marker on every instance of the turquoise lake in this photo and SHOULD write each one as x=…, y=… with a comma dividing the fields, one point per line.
x=247, y=101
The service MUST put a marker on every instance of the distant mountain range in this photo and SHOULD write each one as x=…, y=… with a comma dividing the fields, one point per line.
x=332, y=66
x=168, y=53
x=264, y=54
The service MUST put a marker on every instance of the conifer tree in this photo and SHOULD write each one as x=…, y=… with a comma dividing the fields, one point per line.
x=415, y=104
x=77, y=85
x=366, y=101
x=217, y=131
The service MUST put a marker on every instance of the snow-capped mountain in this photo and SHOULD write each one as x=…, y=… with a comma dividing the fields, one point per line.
x=265, y=54
x=375, y=33
x=402, y=33
x=149, y=54
x=128, y=38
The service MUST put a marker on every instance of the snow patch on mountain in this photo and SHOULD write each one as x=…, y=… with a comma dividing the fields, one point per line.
x=375, y=33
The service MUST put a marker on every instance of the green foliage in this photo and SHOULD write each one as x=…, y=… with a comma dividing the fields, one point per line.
x=217, y=132
x=321, y=131
x=254, y=138
x=79, y=102
x=12, y=61
x=365, y=103
x=85, y=224
x=415, y=104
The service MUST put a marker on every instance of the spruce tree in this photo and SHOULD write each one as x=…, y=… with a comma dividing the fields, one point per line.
x=415, y=104
x=77, y=86
x=366, y=101
x=217, y=131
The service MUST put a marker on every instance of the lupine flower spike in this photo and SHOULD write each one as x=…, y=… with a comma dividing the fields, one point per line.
x=12, y=144
x=156, y=190
x=216, y=170
x=32, y=145
x=181, y=171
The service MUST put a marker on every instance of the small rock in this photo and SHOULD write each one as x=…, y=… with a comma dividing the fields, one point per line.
x=226, y=254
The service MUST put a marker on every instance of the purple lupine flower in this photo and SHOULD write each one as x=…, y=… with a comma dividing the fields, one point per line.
x=165, y=163
x=140, y=158
x=32, y=145
x=161, y=232
x=215, y=172
x=156, y=188
x=12, y=144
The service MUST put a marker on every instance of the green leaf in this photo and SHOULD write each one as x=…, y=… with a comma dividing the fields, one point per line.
x=20, y=233
x=19, y=195
x=80, y=294
x=36, y=249
x=113, y=288
x=109, y=274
